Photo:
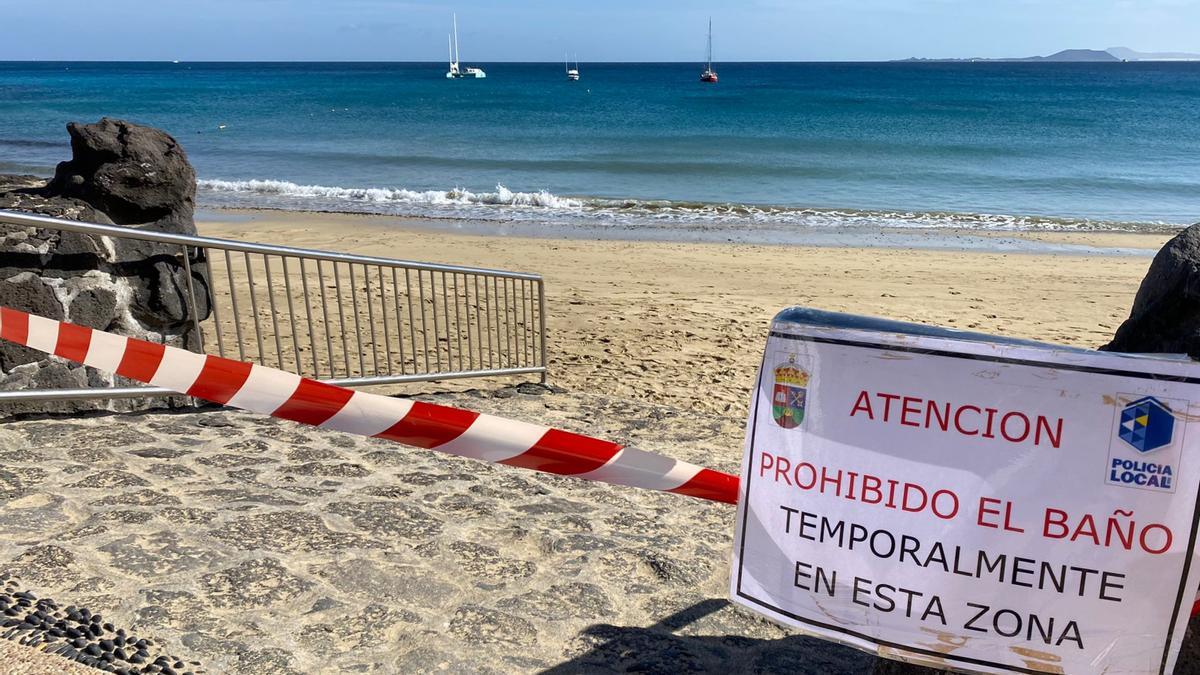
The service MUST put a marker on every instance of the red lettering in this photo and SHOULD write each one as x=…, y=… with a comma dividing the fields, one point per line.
x=1023, y=427
x=958, y=420
x=837, y=481
x=871, y=485
x=765, y=463
x=984, y=510
x=1013, y=426
x=863, y=403
x=887, y=404
x=904, y=502
x=1057, y=519
x=943, y=418
x=906, y=409
x=781, y=468
x=991, y=418
x=940, y=497
x=1043, y=426
x=812, y=472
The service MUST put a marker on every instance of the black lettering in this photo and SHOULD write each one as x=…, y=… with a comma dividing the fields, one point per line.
x=802, y=576
x=935, y=609
x=882, y=592
x=855, y=590
x=787, y=523
x=970, y=625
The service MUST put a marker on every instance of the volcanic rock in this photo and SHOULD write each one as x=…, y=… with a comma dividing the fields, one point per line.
x=123, y=174
x=1166, y=310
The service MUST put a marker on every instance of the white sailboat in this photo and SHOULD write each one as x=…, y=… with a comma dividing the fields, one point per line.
x=709, y=75
x=455, y=71
x=572, y=73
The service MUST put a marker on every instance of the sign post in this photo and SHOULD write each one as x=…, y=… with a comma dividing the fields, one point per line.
x=964, y=501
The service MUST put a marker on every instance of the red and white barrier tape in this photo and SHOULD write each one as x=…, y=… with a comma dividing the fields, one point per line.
x=424, y=425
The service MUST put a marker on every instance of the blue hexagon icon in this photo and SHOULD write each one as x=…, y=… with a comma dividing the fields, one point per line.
x=1147, y=424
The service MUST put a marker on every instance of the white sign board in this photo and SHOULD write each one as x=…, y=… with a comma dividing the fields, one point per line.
x=981, y=506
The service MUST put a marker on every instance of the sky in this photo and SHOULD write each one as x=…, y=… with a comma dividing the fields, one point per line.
x=598, y=30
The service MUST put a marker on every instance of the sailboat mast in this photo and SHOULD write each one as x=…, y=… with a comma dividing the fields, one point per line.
x=456, y=37
x=710, y=43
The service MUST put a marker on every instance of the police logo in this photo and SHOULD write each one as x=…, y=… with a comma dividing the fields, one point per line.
x=790, y=395
x=1147, y=424
x=1146, y=445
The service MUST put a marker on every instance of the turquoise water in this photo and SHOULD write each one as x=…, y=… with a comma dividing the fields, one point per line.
x=775, y=145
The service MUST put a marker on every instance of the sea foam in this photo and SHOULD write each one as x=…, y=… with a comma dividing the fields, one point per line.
x=542, y=206
x=455, y=196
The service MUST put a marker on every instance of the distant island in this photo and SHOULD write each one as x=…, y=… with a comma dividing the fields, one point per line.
x=1110, y=55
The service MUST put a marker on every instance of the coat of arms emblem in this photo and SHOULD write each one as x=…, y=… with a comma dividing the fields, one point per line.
x=791, y=393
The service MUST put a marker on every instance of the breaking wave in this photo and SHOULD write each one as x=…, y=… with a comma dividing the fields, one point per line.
x=505, y=205
x=456, y=196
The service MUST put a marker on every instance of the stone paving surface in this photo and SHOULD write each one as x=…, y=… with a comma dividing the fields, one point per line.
x=261, y=546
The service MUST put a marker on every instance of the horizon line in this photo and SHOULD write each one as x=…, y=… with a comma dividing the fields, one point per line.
x=910, y=59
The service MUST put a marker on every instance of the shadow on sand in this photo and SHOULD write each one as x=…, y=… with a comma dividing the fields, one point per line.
x=658, y=649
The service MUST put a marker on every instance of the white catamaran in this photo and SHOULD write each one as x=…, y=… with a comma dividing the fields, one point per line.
x=572, y=73
x=455, y=71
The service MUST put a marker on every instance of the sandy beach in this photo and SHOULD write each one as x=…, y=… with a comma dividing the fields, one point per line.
x=556, y=287
x=683, y=324
x=258, y=546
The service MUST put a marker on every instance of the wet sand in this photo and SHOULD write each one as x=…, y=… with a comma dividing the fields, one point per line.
x=684, y=323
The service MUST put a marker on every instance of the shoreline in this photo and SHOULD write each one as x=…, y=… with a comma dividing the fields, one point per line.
x=683, y=323
x=1079, y=243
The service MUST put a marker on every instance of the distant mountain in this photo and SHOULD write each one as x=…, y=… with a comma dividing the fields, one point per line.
x=1074, y=56
x=1127, y=54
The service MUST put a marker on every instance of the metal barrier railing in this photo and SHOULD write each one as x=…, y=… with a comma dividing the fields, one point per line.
x=349, y=319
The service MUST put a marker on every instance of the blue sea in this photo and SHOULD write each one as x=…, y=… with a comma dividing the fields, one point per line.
x=781, y=146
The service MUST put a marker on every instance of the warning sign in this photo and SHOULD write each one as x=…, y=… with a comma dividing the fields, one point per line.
x=980, y=505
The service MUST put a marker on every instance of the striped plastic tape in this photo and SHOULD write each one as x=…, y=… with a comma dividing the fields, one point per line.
x=289, y=396
x=292, y=397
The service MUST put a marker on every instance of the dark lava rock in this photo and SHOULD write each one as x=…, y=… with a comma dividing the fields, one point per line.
x=398, y=585
x=343, y=470
x=111, y=479
x=487, y=563
x=134, y=174
x=139, y=498
x=562, y=601
x=156, y=556
x=1166, y=311
x=160, y=453
x=47, y=565
x=120, y=173
x=480, y=625
x=102, y=646
x=287, y=531
x=253, y=583
x=389, y=519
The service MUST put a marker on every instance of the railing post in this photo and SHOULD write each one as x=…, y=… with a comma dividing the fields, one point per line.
x=187, y=271
x=542, y=328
